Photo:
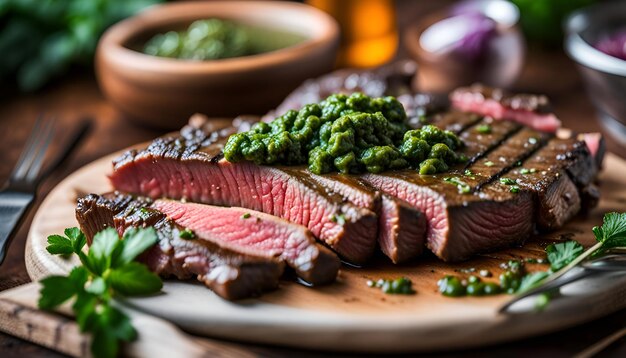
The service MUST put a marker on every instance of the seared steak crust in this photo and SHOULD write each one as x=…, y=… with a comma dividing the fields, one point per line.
x=232, y=275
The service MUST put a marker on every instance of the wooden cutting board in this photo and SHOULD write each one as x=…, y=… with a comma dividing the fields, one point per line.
x=349, y=315
x=20, y=317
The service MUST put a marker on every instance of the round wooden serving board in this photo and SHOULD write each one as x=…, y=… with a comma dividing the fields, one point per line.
x=348, y=315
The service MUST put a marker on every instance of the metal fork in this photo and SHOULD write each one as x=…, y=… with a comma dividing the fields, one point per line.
x=20, y=190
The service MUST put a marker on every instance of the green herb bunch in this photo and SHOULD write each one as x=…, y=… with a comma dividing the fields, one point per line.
x=106, y=270
x=40, y=39
x=566, y=255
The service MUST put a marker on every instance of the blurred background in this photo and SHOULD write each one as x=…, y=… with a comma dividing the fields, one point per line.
x=41, y=40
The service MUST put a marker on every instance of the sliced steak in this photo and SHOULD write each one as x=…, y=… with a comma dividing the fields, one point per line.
x=549, y=173
x=265, y=235
x=190, y=166
x=230, y=274
x=461, y=220
x=401, y=228
x=530, y=110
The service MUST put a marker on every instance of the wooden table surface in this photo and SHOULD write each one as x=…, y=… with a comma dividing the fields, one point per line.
x=77, y=96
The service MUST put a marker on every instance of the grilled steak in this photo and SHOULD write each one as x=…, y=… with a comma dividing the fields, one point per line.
x=265, y=235
x=530, y=110
x=549, y=175
x=190, y=166
x=231, y=274
x=401, y=228
x=461, y=220
x=467, y=210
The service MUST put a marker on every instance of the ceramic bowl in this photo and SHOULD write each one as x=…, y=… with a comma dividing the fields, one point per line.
x=163, y=92
x=442, y=70
x=604, y=75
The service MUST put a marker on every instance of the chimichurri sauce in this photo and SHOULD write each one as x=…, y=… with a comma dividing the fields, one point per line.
x=347, y=134
x=509, y=282
x=214, y=39
x=399, y=286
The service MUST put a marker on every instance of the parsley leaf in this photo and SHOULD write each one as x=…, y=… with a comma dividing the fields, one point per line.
x=107, y=270
x=561, y=254
x=77, y=238
x=134, y=279
x=59, y=245
x=101, y=251
x=612, y=234
x=135, y=242
x=72, y=242
x=55, y=290
x=531, y=281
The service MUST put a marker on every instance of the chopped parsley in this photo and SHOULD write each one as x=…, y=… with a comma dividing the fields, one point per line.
x=462, y=186
x=514, y=189
x=399, y=286
x=483, y=129
x=187, y=234
x=339, y=219
x=489, y=163
x=246, y=216
x=507, y=181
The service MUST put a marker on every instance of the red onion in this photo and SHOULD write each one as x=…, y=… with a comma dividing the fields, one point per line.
x=613, y=44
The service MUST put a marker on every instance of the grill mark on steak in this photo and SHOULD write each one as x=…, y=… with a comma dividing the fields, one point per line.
x=230, y=274
x=454, y=121
x=477, y=144
x=266, y=235
x=184, y=167
x=401, y=228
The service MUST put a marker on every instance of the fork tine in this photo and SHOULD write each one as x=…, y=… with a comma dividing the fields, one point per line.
x=27, y=152
x=41, y=152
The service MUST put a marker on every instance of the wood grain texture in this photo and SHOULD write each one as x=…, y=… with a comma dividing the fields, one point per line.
x=349, y=306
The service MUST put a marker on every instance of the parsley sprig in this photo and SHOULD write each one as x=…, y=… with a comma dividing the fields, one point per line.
x=566, y=255
x=611, y=235
x=106, y=270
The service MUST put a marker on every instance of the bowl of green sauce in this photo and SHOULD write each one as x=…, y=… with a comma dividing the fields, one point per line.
x=221, y=58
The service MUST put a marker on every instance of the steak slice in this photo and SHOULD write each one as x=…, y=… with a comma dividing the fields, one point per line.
x=463, y=220
x=401, y=228
x=265, y=235
x=530, y=110
x=547, y=175
x=190, y=166
x=230, y=274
